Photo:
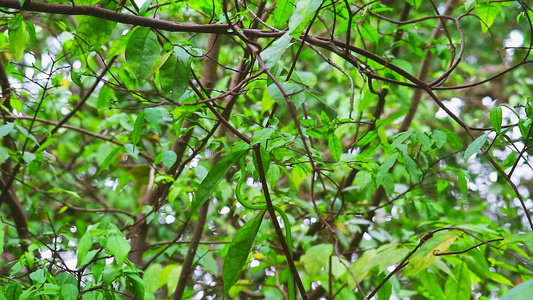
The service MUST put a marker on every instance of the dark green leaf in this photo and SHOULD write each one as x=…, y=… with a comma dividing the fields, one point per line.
x=238, y=251
x=142, y=51
x=153, y=117
x=213, y=178
x=69, y=292
x=84, y=245
x=174, y=74
x=137, y=129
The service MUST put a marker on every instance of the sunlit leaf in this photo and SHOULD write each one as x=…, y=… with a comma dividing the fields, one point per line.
x=142, y=51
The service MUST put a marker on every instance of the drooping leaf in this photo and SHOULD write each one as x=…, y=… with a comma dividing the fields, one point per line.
x=334, y=146
x=282, y=13
x=137, y=129
x=152, y=277
x=168, y=158
x=496, y=118
x=475, y=146
x=370, y=33
x=93, y=30
x=439, y=137
x=69, y=292
x=414, y=3
x=262, y=136
x=84, y=245
x=142, y=51
x=238, y=251
x=213, y=178
x=153, y=117
x=272, y=54
x=174, y=74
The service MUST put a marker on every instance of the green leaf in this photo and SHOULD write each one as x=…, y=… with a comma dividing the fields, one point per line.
x=17, y=36
x=84, y=245
x=461, y=179
x=414, y=3
x=334, y=146
x=136, y=284
x=475, y=146
x=509, y=160
x=412, y=168
x=137, y=129
x=213, y=178
x=69, y=292
x=28, y=157
x=370, y=33
x=238, y=251
x=316, y=257
x=400, y=138
x=461, y=287
x=108, y=160
x=145, y=6
x=27, y=134
x=363, y=179
x=174, y=74
x=93, y=30
x=6, y=129
x=142, y=51
x=104, y=97
x=262, y=136
x=496, y=119
x=282, y=13
x=425, y=256
x=153, y=116
x=272, y=54
x=439, y=137
x=152, y=278
x=424, y=140
x=468, y=4
x=76, y=78
x=168, y=158
x=302, y=14
x=385, y=167
x=521, y=291
x=118, y=246
x=487, y=13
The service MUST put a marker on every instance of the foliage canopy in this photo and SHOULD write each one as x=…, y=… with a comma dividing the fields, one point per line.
x=266, y=149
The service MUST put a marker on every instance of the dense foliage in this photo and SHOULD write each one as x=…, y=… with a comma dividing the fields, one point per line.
x=266, y=149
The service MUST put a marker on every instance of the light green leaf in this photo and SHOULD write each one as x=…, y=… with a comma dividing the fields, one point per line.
x=168, y=158
x=302, y=14
x=84, y=245
x=487, y=13
x=142, y=51
x=28, y=157
x=475, y=146
x=459, y=288
x=153, y=116
x=468, y=4
x=137, y=129
x=104, y=97
x=6, y=129
x=152, y=278
x=262, y=136
x=497, y=277
x=238, y=251
x=400, y=138
x=118, y=246
x=385, y=167
x=521, y=291
x=93, y=30
x=174, y=74
x=282, y=13
x=69, y=292
x=370, y=33
x=334, y=146
x=363, y=179
x=496, y=119
x=272, y=54
x=316, y=257
x=425, y=256
x=414, y=3
x=213, y=178
x=108, y=160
